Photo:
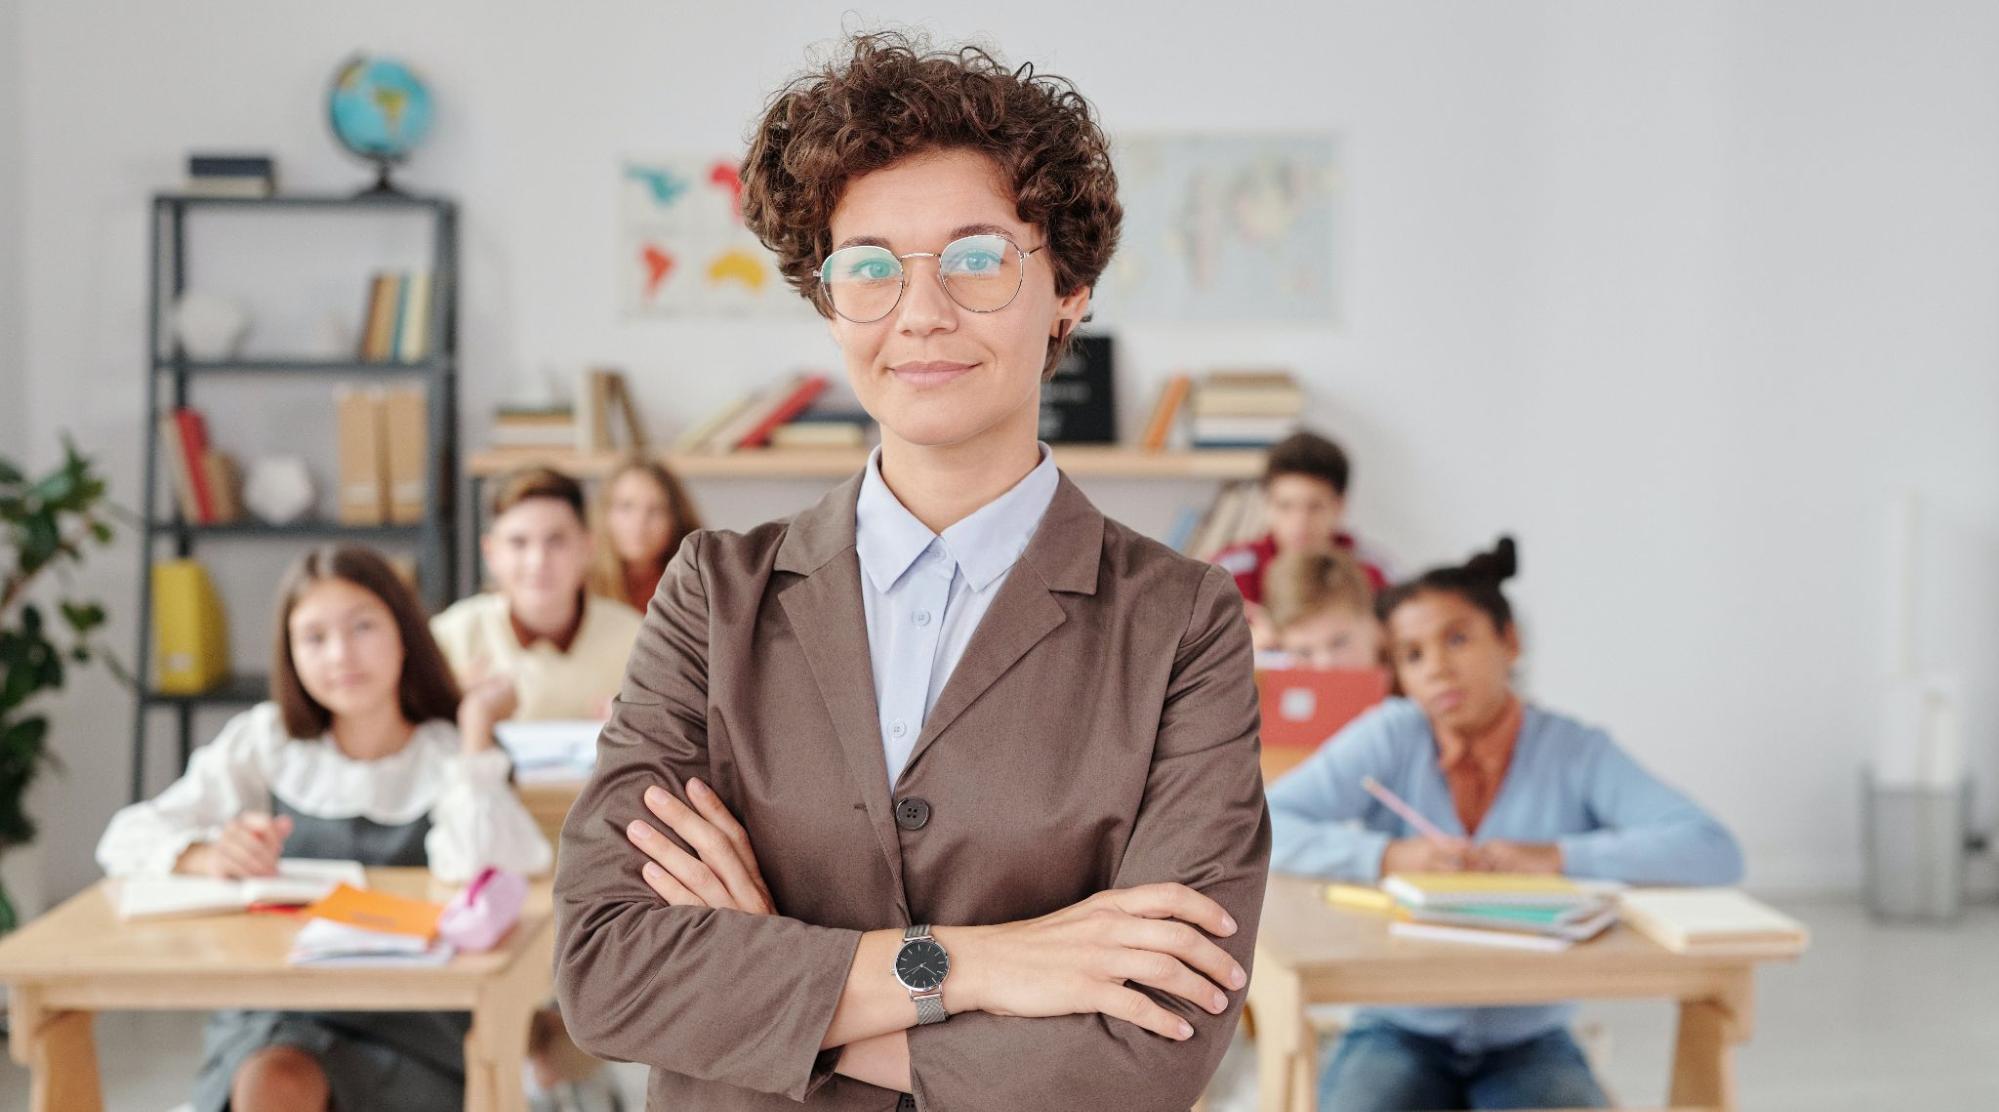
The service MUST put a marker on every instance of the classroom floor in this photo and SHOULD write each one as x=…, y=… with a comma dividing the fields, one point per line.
x=1875, y=1018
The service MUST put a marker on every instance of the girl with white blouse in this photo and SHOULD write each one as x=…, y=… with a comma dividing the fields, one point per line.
x=357, y=756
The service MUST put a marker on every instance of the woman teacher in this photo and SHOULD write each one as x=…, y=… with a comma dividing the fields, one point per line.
x=947, y=786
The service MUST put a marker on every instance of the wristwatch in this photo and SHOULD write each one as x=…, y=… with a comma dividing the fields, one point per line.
x=921, y=966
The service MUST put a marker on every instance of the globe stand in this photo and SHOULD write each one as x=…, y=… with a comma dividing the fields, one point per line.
x=383, y=187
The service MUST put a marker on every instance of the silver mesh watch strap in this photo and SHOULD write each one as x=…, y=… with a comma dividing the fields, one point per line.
x=929, y=1005
x=930, y=1008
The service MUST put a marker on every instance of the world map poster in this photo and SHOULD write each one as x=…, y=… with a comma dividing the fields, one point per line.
x=683, y=250
x=1225, y=228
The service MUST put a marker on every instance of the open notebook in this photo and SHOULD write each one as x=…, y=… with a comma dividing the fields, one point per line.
x=1712, y=921
x=299, y=881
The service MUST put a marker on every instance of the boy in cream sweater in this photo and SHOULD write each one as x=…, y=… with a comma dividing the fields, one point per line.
x=539, y=646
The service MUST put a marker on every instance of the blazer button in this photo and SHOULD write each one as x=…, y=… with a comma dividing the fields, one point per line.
x=912, y=813
x=905, y=1103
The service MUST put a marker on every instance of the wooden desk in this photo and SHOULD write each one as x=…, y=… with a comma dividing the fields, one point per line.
x=79, y=959
x=1308, y=952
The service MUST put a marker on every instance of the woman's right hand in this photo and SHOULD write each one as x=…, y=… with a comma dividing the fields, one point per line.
x=248, y=846
x=1422, y=855
x=1084, y=958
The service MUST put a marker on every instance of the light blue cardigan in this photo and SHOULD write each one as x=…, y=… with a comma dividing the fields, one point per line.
x=1568, y=783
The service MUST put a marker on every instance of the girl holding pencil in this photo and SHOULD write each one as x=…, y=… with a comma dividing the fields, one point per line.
x=1461, y=774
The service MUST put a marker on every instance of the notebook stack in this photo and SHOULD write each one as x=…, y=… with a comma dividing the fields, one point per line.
x=1499, y=909
x=357, y=927
x=1246, y=409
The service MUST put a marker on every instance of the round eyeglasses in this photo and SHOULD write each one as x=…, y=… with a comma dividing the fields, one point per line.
x=981, y=273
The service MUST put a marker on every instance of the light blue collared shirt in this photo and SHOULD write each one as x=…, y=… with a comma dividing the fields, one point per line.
x=924, y=593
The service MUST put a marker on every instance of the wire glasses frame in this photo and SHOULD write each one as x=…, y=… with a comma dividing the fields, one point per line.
x=980, y=273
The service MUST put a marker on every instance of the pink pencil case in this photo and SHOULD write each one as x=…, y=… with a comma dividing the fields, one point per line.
x=477, y=918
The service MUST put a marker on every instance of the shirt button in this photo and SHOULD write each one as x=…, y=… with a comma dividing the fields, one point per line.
x=897, y=728
x=912, y=813
x=923, y=617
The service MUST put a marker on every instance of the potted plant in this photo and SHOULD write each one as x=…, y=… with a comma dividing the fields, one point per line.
x=46, y=526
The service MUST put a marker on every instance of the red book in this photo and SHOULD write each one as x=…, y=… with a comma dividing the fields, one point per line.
x=194, y=450
x=791, y=407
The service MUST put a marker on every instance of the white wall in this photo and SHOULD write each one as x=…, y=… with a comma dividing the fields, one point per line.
x=11, y=176
x=1680, y=295
x=21, y=872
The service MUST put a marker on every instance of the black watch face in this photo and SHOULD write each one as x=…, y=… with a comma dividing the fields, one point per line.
x=921, y=965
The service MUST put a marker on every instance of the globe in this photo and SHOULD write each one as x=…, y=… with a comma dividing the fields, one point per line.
x=380, y=111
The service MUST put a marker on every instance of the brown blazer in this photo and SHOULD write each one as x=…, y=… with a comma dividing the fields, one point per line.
x=1099, y=732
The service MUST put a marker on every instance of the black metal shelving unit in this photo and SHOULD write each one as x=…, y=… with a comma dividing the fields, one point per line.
x=170, y=377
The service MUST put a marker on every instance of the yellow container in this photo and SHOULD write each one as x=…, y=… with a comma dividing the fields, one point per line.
x=190, y=639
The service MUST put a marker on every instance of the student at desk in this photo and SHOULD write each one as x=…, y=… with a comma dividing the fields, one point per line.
x=1519, y=789
x=540, y=646
x=354, y=758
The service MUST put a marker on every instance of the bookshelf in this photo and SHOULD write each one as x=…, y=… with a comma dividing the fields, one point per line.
x=170, y=381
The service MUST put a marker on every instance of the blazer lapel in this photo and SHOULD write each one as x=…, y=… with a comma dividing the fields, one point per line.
x=826, y=615
x=1063, y=556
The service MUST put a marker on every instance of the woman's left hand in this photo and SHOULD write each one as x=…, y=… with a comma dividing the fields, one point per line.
x=725, y=872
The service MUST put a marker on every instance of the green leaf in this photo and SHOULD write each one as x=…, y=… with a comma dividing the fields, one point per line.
x=82, y=617
x=8, y=472
x=39, y=541
x=57, y=486
x=100, y=531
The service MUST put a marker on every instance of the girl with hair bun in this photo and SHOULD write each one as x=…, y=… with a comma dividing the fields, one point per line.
x=1519, y=789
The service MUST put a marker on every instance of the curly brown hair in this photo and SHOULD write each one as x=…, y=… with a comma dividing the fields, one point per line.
x=893, y=97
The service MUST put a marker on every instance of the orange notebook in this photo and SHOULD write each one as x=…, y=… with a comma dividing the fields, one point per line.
x=379, y=911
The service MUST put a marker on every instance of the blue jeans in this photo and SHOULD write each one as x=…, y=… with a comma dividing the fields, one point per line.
x=1379, y=1067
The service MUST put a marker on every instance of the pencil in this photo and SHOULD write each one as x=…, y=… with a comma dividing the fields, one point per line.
x=1409, y=814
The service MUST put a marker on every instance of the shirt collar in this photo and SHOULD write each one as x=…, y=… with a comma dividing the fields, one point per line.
x=985, y=544
x=1489, y=752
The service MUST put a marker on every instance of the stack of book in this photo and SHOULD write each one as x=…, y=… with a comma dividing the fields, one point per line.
x=1517, y=911
x=207, y=485
x=354, y=926
x=824, y=428
x=541, y=428
x=231, y=175
x=1246, y=409
x=750, y=421
x=396, y=323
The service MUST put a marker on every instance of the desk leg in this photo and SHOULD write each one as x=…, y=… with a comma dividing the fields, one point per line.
x=58, y=1049
x=1286, y=1055
x=495, y=1054
x=1704, y=1053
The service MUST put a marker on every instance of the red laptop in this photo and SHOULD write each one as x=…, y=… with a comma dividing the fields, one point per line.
x=1303, y=707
